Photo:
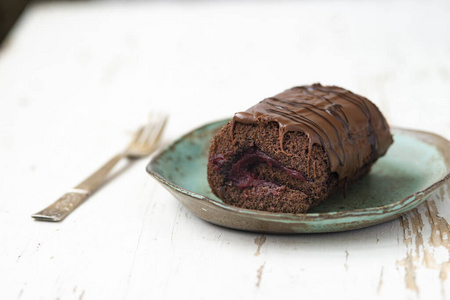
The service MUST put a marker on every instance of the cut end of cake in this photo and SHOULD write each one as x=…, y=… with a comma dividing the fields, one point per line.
x=254, y=173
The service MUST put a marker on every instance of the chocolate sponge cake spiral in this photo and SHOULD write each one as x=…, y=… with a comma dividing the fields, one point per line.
x=289, y=152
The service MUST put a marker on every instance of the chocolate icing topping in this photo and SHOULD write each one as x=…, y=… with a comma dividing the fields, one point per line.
x=350, y=128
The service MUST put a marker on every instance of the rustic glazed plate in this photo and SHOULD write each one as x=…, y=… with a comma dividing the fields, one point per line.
x=416, y=165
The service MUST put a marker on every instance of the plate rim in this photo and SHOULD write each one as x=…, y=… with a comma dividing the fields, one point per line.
x=393, y=208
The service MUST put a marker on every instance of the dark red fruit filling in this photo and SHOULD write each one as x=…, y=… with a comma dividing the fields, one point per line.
x=218, y=160
x=242, y=175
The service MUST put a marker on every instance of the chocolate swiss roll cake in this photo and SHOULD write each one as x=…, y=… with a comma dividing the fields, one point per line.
x=289, y=152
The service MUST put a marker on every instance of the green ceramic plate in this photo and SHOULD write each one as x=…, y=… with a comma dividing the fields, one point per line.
x=416, y=165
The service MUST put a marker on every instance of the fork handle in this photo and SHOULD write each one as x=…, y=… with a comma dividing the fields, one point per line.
x=62, y=207
x=91, y=183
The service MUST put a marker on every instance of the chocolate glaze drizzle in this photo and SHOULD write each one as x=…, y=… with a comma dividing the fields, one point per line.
x=349, y=127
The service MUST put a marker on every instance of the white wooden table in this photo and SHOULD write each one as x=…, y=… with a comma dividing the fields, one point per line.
x=77, y=78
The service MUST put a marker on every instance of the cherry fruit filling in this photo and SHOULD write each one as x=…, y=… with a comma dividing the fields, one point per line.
x=242, y=174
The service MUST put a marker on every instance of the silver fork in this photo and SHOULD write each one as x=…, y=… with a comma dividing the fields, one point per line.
x=143, y=144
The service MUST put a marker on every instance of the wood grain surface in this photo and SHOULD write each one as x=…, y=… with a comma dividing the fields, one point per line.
x=77, y=78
